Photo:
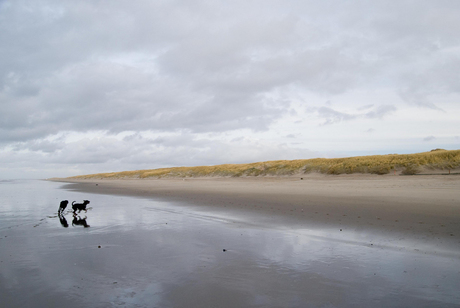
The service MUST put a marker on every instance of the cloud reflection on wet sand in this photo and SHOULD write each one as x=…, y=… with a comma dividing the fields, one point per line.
x=157, y=254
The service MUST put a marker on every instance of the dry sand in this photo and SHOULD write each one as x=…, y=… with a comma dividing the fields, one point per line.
x=423, y=208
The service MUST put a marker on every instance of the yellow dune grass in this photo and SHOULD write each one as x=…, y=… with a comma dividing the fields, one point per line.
x=377, y=164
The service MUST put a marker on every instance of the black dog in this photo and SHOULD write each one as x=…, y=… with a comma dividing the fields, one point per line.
x=62, y=206
x=79, y=206
x=78, y=221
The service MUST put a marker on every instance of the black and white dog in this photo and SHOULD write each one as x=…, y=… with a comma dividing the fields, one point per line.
x=62, y=206
x=79, y=206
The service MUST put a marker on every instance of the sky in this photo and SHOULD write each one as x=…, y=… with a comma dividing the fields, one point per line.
x=95, y=86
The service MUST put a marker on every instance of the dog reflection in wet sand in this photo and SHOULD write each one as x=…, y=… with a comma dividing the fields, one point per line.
x=63, y=220
x=79, y=206
x=78, y=221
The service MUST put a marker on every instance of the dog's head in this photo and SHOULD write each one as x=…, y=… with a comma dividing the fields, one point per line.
x=64, y=201
x=86, y=201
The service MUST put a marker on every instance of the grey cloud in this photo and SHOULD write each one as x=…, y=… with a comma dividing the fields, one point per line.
x=418, y=97
x=198, y=151
x=366, y=107
x=119, y=98
x=44, y=146
x=380, y=111
x=429, y=138
x=106, y=153
x=210, y=67
x=237, y=139
x=332, y=116
x=95, y=150
x=132, y=137
x=439, y=77
x=58, y=54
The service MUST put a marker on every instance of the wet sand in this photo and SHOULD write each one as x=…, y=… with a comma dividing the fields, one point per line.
x=279, y=242
x=421, y=208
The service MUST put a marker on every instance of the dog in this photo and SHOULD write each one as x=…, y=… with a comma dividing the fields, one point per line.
x=79, y=206
x=78, y=221
x=62, y=206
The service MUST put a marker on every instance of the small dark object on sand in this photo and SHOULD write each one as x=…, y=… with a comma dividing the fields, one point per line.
x=79, y=206
x=62, y=206
x=224, y=250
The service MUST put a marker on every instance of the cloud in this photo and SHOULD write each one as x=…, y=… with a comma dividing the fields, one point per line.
x=197, y=68
x=380, y=112
x=429, y=138
x=366, y=107
x=332, y=116
x=43, y=146
x=137, y=151
x=79, y=66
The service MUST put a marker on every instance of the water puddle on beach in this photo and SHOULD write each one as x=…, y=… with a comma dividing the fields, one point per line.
x=144, y=253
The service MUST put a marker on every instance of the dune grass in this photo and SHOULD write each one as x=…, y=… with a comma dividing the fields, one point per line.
x=376, y=164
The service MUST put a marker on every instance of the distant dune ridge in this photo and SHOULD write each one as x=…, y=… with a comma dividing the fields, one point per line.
x=436, y=161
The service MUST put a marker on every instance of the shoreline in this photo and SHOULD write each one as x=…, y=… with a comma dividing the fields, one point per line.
x=425, y=209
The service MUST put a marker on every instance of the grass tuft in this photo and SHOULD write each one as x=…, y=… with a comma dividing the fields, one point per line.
x=411, y=170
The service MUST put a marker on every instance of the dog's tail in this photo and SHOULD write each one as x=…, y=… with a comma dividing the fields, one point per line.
x=73, y=202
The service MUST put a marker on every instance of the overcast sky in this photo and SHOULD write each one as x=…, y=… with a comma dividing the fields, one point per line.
x=94, y=86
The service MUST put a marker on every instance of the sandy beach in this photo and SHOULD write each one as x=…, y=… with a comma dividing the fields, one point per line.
x=421, y=208
x=324, y=241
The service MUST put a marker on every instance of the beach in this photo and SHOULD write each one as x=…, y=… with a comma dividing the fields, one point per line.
x=320, y=241
x=421, y=208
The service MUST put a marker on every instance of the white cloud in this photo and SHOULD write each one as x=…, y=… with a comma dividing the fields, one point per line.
x=332, y=116
x=260, y=69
